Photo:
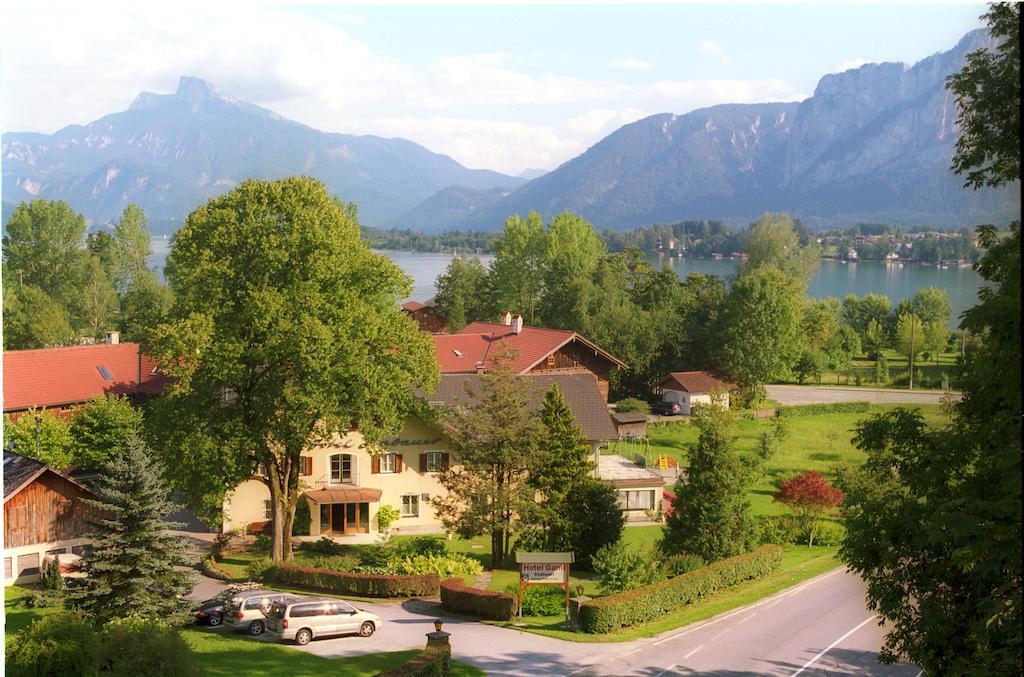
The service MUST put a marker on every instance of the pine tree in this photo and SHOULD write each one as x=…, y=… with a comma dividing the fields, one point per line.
x=710, y=514
x=130, y=570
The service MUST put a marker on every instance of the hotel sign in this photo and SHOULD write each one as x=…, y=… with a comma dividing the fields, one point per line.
x=544, y=568
x=545, y=573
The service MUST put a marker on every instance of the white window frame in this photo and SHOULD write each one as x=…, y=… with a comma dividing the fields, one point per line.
x=631, y=499
x=409, y=502
x=388, y=462
x=268, y=508
x=341, y=468
x=439, y=465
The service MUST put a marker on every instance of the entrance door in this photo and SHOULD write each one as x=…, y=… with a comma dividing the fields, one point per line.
x=338, y=518
x=345, y=518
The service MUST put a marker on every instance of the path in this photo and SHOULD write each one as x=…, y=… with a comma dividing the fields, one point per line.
x=790, y=395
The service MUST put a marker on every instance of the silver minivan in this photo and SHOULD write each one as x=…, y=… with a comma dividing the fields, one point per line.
x=304, y=619
x=246, y=610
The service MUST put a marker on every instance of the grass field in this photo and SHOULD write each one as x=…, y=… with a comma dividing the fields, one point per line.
x=928, y=374
x=227, y=655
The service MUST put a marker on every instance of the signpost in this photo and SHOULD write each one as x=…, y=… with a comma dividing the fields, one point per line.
x=544, y=568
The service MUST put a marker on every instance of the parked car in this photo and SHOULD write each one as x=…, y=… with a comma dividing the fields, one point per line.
x=246, y=610
x=305, y=619
x=666, y=408
x=211, y=611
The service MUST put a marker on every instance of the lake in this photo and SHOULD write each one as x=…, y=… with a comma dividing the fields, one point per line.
x=833, y=278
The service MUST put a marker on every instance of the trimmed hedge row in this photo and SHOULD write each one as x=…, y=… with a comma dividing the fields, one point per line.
x=831, y=408
x=455, y=596
x=209, y=567
x=632, y=607
x=431, y=662
x=363, y=585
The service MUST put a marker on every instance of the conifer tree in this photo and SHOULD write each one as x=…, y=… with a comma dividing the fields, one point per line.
x=710, y=514
x=130, y=571
x=565, y=457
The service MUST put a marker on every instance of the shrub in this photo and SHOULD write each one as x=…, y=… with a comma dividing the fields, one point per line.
x=422, y=545
x=498, y=606
x=378, y=556
x=302, y=520
x=208, y=565
x=607, y=614
x=343, y=563
x=780, y=530
x=830, y=408
x=445, y=566
x=260, y=569
x=683, y=563
x=132, y=646
x=56, y=645
x=632, y=404
x=597, y=519
x=262, y=543
x=623, y=569
x=41, y=599
x=50, y=575
x=364, y=585
x=540, y=600
x=325, y=546
x=827, y=533
x=386, y=516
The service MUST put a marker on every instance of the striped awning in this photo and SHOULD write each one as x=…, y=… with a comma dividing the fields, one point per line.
x=344, y=495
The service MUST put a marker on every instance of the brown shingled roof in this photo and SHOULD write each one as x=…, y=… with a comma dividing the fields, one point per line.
x=695, y=382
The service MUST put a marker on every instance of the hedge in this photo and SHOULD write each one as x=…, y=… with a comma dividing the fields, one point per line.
x=831, y=408
x=209, y=567
x=455, y=596
x=431, y=662
x=632, y=607
x=363, y=585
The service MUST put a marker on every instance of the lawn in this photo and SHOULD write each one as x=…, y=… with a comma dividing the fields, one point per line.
x=927, y=373
x=226, y=655
x=821, y=442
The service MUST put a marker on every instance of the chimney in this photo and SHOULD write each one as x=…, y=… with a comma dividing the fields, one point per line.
x=506, y=318
x=517, y=324
x=113, y=338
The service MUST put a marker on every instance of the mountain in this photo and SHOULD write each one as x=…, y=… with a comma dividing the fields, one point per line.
x=170, y=153
x=447, y=206
x=530, y=174
x=871, y=144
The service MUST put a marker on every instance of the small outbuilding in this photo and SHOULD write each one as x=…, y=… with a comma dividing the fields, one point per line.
x=690, y=388
x=640, y=490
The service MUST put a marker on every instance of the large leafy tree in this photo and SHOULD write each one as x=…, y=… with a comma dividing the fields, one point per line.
x=97, y=300
x=102, y=429
x=774, y=240
x=131, y=569
x=810, y=496
x=40, y=434
x=934, y=517
x=496, y=443
x=517, y=272
x=284, y=332
x=132, y=246
x=464, y=293
x=43, y=247
x=572, y=254
x=710, y=513
x=32, y=319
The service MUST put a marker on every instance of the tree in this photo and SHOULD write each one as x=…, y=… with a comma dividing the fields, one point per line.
x=144, y=306
x=987, y=93
x=32, y=319
x=773, y=241
x=496, y=442
x=284, y=332
x=936, y=336
x=710, y=514
x=932, y=305
x=810, y=496
x=596, y=520
x=101, y=429
x=875, y=338
x=760, y=336
x=97, y=300
x=820, y=322
x=810, y=365
x=133, y=244
x=43, y=247
x=517, y=272
x=910, y=337
x=881, y=370
x=131, y=569
x=572, y=255
x=102, y=245
x=463, y=293
x=42, y=435
x=766, y=448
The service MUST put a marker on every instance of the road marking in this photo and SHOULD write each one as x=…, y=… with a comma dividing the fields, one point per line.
x=699, y=647
x=668, y=669
x=830, y=646
x=746, y=618
x=720, y=634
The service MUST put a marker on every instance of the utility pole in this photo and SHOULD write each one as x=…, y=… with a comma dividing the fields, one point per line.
x=913, y=323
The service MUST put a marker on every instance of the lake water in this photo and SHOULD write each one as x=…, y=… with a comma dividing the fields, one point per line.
x=833, y=278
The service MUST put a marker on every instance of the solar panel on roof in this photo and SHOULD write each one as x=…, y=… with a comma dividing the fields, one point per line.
x=104, y=373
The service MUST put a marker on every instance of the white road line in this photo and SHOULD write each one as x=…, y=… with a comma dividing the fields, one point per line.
x=698, y=648
x=720, y=634
x=746, y=618
x=829, y=647
x=668, y=669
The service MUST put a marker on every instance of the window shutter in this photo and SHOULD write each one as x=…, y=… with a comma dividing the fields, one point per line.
x=444, y=461
x=307, y=466
x=398, y=463
x=423, y=463
x=375, y=465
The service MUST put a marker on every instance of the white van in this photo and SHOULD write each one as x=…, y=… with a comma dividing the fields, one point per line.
x=307, y=618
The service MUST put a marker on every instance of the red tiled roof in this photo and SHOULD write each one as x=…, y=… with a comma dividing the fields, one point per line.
x=695, y=382
x=50, y=377
x=478, y=344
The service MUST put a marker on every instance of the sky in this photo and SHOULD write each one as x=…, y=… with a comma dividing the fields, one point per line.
x=504, y=87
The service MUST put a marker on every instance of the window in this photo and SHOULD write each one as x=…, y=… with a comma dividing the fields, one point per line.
x=307, y=610
x=410, y=505
x=7, y=567
x=268, y=509
x=341, y=468
x=28, y=564
x=339, y=608
x=637, y=500
x=105, y=373
x=435, y=461
x=81, y=550
x=305, y=466
x=387, y=463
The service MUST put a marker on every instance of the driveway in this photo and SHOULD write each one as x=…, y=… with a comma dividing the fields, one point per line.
x=819, y=627
x=789, y=395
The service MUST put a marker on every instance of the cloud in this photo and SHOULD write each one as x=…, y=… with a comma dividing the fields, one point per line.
x=630, y=64
x=712, y=48
x=850, y=64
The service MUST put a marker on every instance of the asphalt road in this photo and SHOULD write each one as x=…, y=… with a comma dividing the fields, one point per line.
x=789, y=395
x=819, y=627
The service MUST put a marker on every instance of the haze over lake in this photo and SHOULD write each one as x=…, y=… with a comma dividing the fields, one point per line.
x=832, y=278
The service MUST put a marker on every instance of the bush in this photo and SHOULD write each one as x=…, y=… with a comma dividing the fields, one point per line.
x=827, y=533
x=683, y=563
x=132, y=646
x=608, y=614
x=260, y=569
x=386, y=516
x=262, y=543
x=302, y=520
x=445, y=566
x=41, y=599
x=422, y=545
x=781, y=530
x=378, y=556
x=632, y=404
x=342, y=563
x=363, y=585
x=50, y=575
x=830, y=408
x=208, y=565
x=56, y=645
x=623, y=569
x=540, y=600
x=325, y=546
x=596, y=521
x=498, y=606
